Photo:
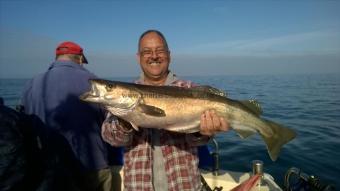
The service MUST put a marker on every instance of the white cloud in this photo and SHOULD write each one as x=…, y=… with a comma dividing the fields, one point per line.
x=244, y=65
x=318, y=42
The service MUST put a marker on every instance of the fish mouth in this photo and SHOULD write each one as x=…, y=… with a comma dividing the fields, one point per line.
x=91, y=94
x=88, y=96
x=84, y=96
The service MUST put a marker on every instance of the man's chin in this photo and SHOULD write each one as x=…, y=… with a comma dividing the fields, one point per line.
x=156, y=76
x=155, y=73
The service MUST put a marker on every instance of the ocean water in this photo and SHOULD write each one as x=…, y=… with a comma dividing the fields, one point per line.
x=309, y=104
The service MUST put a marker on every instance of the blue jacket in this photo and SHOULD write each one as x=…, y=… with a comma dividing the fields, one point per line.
x=69, y=123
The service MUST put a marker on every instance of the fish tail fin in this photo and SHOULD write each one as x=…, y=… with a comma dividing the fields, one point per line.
x=281, y=135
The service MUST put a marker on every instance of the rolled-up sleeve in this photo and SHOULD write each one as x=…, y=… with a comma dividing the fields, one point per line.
x=115, y=132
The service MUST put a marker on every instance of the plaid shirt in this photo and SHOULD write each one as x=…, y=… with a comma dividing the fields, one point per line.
x=179, y=152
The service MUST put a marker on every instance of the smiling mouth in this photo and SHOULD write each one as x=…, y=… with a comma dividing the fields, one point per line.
x=154, y=63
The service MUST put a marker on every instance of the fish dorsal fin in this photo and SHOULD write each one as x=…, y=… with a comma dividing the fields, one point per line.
x=253, y=105
x=152, y=110
x=211, y=90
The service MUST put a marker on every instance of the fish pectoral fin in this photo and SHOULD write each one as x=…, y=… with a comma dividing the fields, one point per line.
x=152, y=110
x=212, y=90
x=253, y=106
x=134, y=126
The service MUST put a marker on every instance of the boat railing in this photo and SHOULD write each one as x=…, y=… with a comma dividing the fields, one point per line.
x=215, y=154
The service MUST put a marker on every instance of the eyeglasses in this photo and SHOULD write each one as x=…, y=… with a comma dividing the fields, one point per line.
x=149, y=53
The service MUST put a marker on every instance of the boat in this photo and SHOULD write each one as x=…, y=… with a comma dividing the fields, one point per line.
x=228, y=180
x=225, y=180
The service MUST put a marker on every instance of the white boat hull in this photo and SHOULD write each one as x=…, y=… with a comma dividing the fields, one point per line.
x=230, y=179
x=227, y=179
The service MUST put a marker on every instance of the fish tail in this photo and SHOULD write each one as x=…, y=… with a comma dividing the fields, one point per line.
x=281, y=135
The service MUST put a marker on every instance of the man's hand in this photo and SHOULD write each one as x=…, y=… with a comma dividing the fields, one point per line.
x=211, y=123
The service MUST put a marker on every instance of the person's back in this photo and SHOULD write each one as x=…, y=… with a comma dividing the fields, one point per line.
x=20, y=162
x=54, y=99
x=71, y=128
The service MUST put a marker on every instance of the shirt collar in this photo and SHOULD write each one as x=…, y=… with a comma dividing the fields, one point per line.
x=169, y=79
x=67, y=63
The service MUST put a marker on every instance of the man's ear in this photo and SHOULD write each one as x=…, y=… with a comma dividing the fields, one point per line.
x=81, y=59
x=169, y=56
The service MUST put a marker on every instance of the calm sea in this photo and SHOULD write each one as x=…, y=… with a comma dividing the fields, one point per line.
x=309, y=104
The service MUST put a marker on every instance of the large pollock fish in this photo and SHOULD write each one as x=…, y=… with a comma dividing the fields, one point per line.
x=179, y=109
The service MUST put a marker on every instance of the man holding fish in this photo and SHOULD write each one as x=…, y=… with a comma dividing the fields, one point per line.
x=171, y=117
x=154, y=158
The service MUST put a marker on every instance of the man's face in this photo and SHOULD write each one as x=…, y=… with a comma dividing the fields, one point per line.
x=153, y=56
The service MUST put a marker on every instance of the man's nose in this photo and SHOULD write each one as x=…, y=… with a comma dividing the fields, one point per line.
x=154, y=54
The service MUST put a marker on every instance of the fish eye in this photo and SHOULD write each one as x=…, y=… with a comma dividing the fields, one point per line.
x=109, y=87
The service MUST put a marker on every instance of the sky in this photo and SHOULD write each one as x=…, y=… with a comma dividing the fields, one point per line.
x=205, y=37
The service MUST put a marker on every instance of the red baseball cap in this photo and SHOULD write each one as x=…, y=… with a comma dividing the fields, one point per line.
x=69, y=47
